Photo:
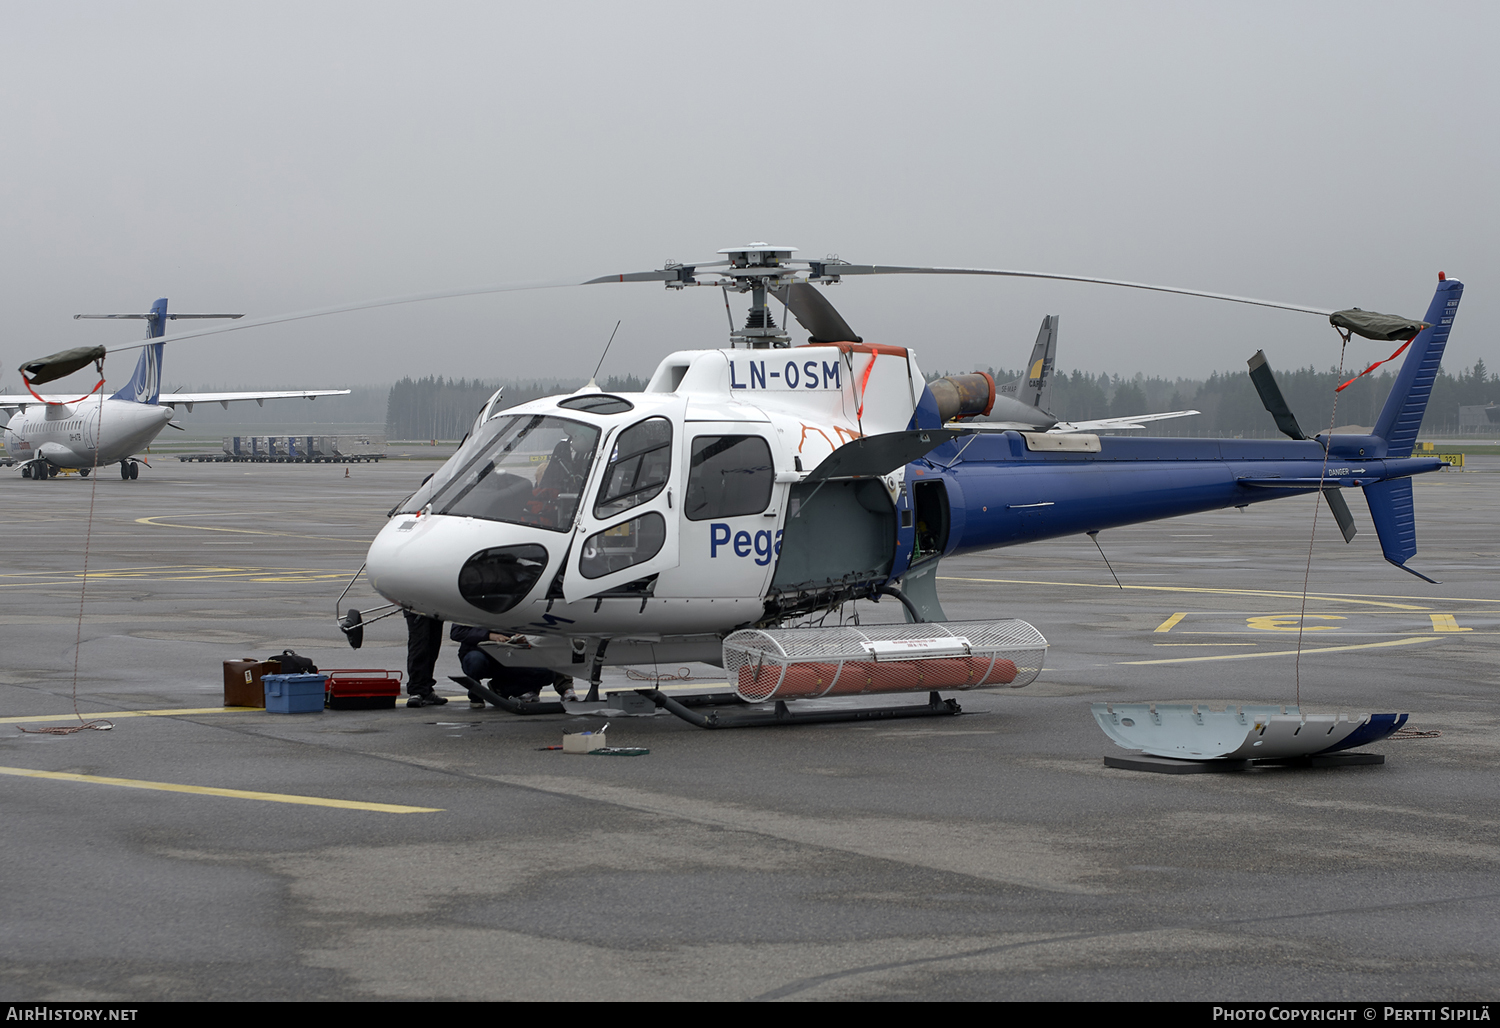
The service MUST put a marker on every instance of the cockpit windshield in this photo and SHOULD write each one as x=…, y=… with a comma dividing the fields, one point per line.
x=526, y=469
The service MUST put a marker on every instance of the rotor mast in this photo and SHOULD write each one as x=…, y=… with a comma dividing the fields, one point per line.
x=755, y=269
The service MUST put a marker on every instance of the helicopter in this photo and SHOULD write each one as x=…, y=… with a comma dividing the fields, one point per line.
x=750, y=488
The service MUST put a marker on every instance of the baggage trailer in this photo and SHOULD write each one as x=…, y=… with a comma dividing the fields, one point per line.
x=295, y=449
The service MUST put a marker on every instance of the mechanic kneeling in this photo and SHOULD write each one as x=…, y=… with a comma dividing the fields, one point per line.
x=519, y=683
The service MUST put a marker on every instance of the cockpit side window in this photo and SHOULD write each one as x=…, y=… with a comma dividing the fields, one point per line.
x=731, y=475
x=530, y=473
x=639, y=466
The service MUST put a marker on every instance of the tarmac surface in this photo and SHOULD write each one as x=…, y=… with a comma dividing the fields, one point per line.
x=986, y=856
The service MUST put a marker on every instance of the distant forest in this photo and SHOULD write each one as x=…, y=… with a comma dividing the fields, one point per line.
x=1231, y=407
x=438, y=408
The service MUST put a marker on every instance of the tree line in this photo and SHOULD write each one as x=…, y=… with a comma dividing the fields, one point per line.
x=444, y=408
x=1231, y=407
x=439, y=408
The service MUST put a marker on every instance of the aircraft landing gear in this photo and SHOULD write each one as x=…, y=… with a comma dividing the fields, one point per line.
x=505, y=702
x=935, y=706
x=38, y=470
x=129, y=469
x=83, y=472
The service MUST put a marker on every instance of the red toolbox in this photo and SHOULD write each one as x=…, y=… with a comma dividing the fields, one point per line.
x=362, y=688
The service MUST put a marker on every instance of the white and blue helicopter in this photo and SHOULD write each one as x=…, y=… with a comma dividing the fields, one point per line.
x=46, y=433
x=747, y=489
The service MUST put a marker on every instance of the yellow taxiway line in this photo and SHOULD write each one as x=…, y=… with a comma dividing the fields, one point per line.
x=1409, y=641
x=154, y=523
x=1359, y=598
x=206, y=790
x=116, y=714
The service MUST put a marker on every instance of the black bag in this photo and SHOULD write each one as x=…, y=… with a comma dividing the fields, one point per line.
x=291, y=664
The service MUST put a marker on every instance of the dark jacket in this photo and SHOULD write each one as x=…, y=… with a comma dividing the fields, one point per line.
x=468, y=638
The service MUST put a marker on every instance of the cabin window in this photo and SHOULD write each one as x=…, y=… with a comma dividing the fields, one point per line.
x=639, y=466
x=623, y=546
x=731, y=475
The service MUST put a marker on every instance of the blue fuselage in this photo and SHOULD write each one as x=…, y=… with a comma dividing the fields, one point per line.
x=1001, y=494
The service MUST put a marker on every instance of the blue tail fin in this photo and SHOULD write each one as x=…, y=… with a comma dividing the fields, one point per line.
x=145, y=385
x=1402, y=415
x=1390, y=501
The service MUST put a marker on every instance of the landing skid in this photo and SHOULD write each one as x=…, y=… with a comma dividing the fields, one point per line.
x=505, y=702
x=935, y=706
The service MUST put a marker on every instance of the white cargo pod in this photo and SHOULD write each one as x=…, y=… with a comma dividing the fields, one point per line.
x=808, y=663
x=1191, y=731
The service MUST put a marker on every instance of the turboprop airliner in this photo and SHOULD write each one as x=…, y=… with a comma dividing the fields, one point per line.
x=45, y=433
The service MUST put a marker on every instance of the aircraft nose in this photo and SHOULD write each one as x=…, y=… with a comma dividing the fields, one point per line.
x=456, y=568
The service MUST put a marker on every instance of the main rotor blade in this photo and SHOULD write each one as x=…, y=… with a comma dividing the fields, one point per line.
x=344, y=308
x=873, y=455
x=1270, y=395
x=1341, y=513
x=673, y=273
x=814, y=313
x=878, y=269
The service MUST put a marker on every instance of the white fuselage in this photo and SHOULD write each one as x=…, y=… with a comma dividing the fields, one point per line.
x=710, y=570
x=86, y=434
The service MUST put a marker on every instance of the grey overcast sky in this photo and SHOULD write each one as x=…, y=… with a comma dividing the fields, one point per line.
x=265, y=157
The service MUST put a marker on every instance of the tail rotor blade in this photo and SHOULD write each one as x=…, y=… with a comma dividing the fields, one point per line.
x=1270, y=395
x=1341, y=512
x=813, y=311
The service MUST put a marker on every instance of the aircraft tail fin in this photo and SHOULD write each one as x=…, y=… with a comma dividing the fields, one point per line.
x=1402, y=415
x=1034, y=387
x=145, y=385
x=1391, y=505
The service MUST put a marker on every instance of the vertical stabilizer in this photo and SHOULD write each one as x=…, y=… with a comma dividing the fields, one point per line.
x=1402, y=415
x=1034, y=387
x=1391, y=506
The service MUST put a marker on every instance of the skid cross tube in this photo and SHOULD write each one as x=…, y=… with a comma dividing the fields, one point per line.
x=935, y=706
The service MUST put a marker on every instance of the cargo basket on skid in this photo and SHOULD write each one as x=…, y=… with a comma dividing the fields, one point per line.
x=808, y=663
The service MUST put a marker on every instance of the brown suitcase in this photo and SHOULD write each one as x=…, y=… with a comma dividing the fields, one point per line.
x=242, y=685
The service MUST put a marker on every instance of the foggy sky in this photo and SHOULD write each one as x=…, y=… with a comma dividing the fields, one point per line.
x=274, y=157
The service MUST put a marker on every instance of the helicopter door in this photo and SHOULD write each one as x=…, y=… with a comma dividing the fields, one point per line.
x=730, y=510
x=627, y=529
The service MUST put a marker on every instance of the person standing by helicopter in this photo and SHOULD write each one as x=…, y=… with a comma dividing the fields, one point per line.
x=424, y=638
